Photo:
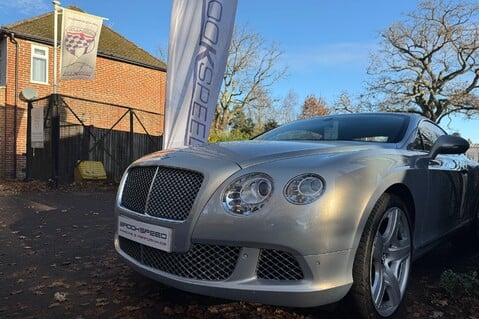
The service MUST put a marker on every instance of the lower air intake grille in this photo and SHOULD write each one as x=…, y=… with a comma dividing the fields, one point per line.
x=278, y=265
x=201, y=262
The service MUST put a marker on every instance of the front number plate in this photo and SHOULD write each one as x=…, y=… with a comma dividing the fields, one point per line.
x=155, y=236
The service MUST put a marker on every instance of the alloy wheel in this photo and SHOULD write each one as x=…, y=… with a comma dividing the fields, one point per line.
x=390, y=261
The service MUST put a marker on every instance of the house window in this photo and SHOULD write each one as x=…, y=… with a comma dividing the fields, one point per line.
x=39, y=70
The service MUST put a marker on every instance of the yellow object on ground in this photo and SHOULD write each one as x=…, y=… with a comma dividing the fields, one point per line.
x=89, y=170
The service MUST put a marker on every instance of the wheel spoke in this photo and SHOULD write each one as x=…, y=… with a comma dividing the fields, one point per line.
x=400, y=252
x=393, y=286
x=392, y=228
x=379, y=287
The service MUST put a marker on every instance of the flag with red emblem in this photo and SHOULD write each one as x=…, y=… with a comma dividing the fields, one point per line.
x=80, y=38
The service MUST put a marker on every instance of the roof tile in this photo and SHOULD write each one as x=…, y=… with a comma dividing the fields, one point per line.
x=112, y=44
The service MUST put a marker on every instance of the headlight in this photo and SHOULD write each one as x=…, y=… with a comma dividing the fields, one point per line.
x=247, y=194
x=304, y=189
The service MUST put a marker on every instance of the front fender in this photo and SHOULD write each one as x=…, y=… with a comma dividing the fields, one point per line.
x=410, y=185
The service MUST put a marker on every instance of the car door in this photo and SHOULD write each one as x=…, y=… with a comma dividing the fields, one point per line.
x=471, y=200
x=447, y=186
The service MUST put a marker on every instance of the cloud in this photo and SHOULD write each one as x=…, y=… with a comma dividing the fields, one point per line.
x=27, y=7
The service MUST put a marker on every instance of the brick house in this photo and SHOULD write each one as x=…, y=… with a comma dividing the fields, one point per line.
x=125, y=75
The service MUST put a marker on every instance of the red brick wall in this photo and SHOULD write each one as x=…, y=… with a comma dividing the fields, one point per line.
x=115, y=83
x=2, y=130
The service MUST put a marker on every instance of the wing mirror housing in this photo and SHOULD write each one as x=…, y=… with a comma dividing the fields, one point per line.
x=445, y=144
x=449, y=144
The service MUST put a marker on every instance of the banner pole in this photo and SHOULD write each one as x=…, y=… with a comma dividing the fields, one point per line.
x=56, y=5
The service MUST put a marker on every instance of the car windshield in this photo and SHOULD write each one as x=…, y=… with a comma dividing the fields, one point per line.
x=382, y=128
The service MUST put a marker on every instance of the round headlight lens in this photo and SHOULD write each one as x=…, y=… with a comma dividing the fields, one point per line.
x=304, y=189
x=247, y=194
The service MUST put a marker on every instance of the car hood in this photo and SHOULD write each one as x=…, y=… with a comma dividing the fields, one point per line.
x=247, y=153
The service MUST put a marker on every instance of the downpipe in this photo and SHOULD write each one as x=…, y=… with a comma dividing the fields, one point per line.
x=11, y=36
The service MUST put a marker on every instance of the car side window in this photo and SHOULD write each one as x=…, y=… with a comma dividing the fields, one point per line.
x=426, y=136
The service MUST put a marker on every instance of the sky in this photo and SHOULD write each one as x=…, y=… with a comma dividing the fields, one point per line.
x=326, y=44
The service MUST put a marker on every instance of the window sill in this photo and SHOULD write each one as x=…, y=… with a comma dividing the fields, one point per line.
x=41, y=83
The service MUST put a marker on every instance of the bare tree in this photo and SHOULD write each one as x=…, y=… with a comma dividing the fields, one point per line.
x=313, y=106
x=252, y=68
x=429, y=63
x=286, y=112
x=162, y=52
x=260, y=107
x=346, y=103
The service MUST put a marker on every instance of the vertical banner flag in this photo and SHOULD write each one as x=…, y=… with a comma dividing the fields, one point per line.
x=200, y=36
x=80, y=37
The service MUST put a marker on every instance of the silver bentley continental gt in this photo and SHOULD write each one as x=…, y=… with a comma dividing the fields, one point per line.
x=317, y=211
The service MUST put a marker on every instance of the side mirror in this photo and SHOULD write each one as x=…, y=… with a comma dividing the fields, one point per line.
x=445, y=144
x=449, y=144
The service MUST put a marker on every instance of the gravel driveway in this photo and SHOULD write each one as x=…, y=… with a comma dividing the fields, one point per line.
x=57, y=261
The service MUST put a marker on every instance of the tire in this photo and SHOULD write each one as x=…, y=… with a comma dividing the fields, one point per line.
x=475, y=227
x=382, y=264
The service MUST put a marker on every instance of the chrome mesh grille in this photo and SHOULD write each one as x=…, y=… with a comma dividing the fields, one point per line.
x=278, y=265
x=201, y=262
x=137, y=186
x=172, y=193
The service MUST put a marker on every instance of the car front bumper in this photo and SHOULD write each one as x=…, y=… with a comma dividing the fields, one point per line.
x=325, y=278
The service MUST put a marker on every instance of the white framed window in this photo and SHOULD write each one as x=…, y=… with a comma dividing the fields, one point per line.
x=39, y=69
